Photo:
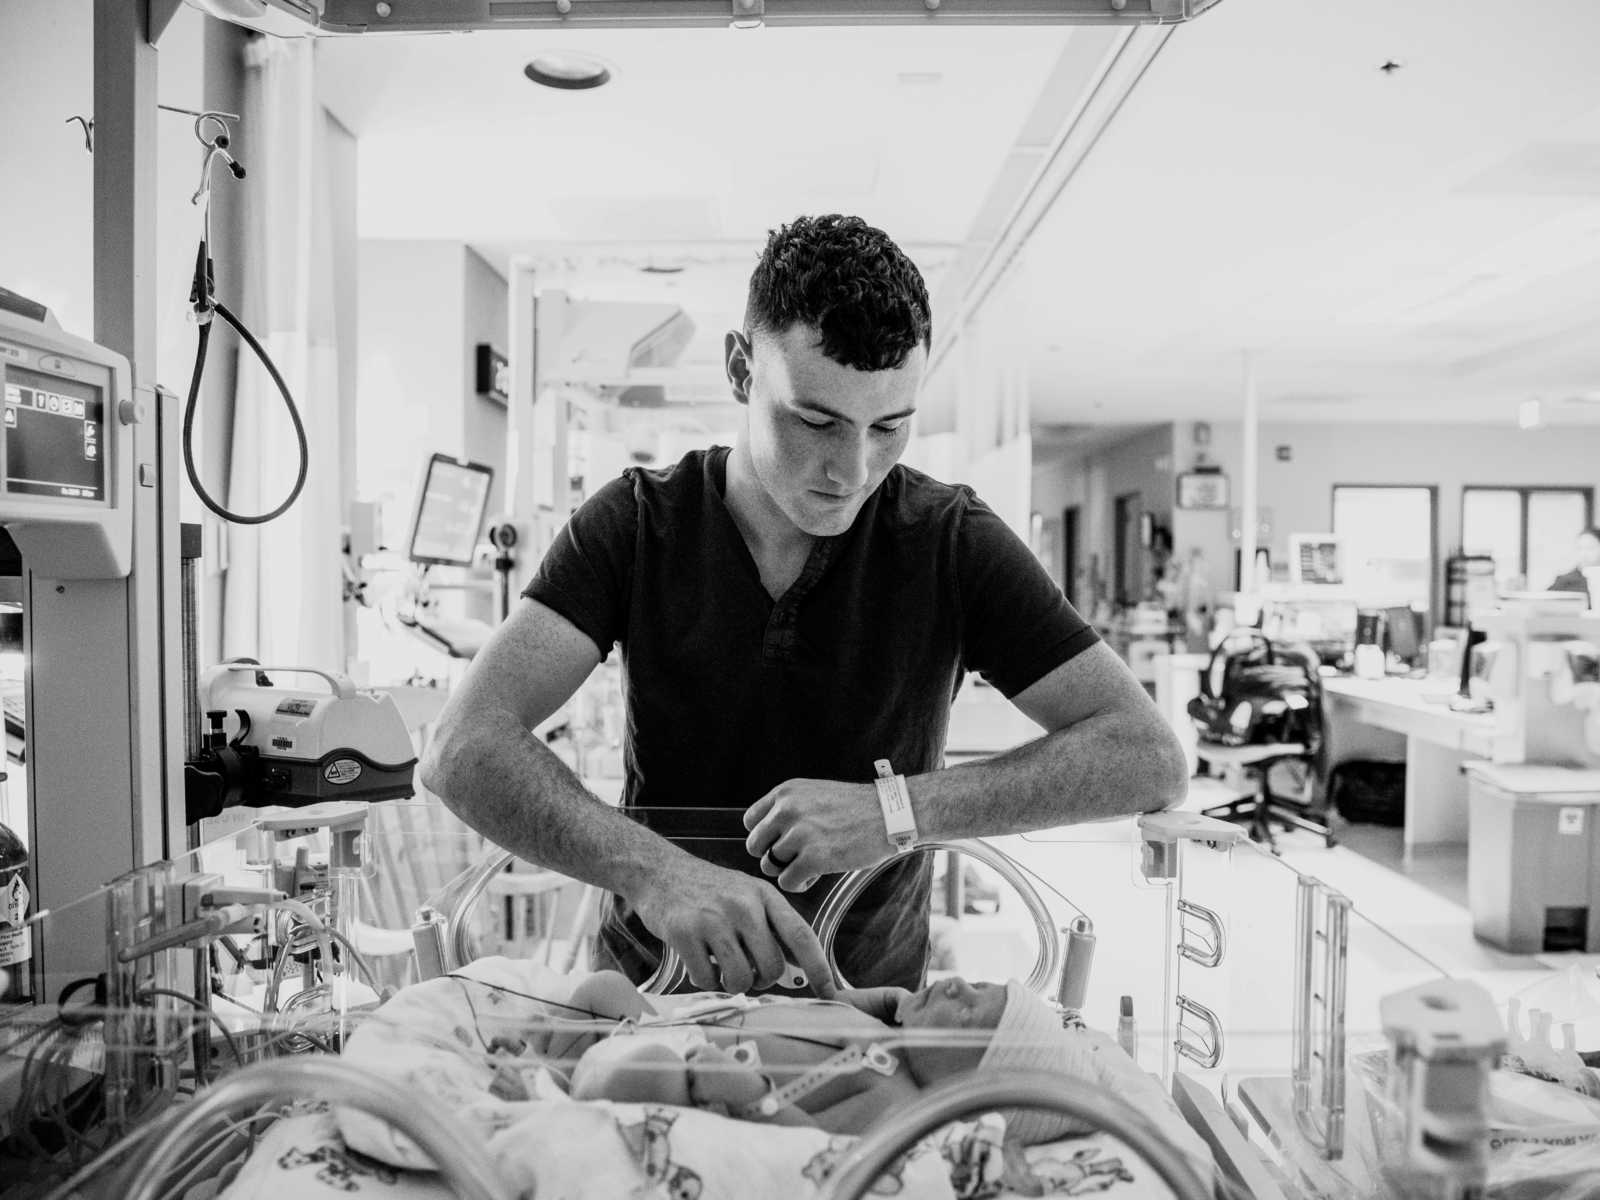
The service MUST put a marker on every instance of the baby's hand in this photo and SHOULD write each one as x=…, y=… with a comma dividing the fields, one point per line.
x=880, y=1002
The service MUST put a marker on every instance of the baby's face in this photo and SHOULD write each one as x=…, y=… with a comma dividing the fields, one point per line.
x=951, y=1004
x=954, y=1004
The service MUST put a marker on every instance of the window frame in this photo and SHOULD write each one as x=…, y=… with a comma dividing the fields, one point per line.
x=1523, y=492
x=1435, y=566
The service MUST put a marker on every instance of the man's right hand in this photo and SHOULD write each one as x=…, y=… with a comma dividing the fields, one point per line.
x=706, y=912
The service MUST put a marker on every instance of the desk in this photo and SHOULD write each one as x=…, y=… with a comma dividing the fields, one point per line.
x=1436, y=742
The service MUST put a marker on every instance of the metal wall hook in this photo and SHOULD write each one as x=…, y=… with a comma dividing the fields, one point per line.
x=88, y=130
x=221, y=138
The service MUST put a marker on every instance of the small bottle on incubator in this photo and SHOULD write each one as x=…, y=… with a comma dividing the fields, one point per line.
x=1127, y=1031
x=16, y=980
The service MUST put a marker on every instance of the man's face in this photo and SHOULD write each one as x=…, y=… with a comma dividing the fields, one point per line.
x=1588, y=550
x=822, y=435
x=958, y=1006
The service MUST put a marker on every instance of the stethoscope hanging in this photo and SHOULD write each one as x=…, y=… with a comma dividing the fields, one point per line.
x=212, y=131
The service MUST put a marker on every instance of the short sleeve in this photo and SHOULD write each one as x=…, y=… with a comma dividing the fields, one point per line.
x=1017, y=626
x=585, y=574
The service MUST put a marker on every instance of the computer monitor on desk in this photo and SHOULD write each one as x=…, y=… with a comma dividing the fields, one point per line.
x=1400, y=634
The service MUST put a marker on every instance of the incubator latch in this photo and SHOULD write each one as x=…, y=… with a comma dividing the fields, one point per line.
x=1208, y=944
x=1206, y=1050
x=1162, y=833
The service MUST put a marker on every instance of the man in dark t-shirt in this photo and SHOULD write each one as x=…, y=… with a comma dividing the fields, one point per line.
x=795, y=615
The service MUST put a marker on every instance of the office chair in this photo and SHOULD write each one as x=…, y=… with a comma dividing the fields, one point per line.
x=1265, y=807
x=1267, y=710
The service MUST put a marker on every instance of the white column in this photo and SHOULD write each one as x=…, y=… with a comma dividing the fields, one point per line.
x=549, y=450
x=520, y=356
x=1249, y=478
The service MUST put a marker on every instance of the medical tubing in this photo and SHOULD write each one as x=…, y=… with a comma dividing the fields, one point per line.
x=980, y=1092
x=188, y=420
x=319, y=928
x=458, y=1153
x=830, y=915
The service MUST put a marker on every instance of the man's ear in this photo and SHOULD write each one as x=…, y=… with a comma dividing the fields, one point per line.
x=736, y=355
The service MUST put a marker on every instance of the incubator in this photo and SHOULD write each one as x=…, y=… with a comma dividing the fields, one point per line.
x=372, y=994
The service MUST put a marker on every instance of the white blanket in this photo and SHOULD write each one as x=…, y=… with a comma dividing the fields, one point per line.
x=455, y=1042
x=596, y=1151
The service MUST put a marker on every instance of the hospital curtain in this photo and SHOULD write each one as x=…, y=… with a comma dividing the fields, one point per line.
x=281, y=599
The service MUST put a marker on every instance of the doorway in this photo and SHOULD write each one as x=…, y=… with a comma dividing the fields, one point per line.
x=1069, y=555
x=1127, y=565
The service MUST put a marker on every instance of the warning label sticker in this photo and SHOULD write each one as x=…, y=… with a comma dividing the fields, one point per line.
x=342, y=771
x=16, y=945
x=13, y=901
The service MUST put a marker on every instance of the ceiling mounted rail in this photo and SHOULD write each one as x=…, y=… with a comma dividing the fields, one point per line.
x=309, y=17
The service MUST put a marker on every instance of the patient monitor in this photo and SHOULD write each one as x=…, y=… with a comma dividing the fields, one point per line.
x=89, y=494
x=66, y=471
x=451, y=504
x=450, y=508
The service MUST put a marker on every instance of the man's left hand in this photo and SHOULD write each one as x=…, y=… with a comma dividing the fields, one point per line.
x=806, y=828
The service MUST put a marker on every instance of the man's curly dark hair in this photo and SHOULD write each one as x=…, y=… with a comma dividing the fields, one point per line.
x=850, y=282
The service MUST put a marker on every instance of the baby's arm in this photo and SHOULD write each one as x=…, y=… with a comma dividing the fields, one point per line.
x=858, y=1113
x=880, y=1002
x=717, y=1078
x=604, y=996
x=649, y=1073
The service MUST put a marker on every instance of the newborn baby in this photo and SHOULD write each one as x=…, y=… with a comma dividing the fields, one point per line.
x=836, y=1064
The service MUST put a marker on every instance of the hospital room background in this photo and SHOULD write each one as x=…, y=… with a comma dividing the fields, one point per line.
x=1271, y=326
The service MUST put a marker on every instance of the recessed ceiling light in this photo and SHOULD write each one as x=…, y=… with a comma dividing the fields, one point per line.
x=567, y=70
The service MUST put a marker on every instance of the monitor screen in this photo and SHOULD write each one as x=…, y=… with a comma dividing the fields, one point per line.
x=54, y=439
x=450, y=511
x=1316, y=559
x=1400, y=632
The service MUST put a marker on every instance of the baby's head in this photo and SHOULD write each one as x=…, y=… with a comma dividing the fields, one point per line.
x=1024, y=1032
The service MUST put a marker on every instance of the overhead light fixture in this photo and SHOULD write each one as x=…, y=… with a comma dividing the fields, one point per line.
x=568, y=71
x=1530, y=414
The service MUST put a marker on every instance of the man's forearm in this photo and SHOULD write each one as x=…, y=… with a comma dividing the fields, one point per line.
x=1106, y=766
x=509, y=786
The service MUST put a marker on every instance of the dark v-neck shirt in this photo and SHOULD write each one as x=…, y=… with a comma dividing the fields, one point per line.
x=730, y=692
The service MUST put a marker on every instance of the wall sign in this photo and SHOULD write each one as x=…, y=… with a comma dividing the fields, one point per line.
x=1203, y=489
x=493, y=375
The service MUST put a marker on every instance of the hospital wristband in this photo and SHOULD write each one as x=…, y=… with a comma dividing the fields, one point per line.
x=899, y=822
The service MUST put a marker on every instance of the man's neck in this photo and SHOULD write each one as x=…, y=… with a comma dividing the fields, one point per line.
x=768, y=532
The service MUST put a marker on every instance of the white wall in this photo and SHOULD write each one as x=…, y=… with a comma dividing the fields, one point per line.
x=46, y=240
x=1299, y=493
x=409, y=390
x=483, y=319
x=1002, y=478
